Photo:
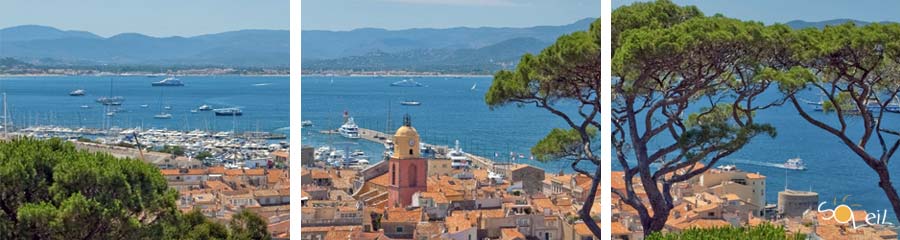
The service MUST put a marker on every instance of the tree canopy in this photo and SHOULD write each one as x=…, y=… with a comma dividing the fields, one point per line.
x=568, y=71
x=50, y=190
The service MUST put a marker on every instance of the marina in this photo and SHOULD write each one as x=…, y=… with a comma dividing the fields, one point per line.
x=229, y=148
x=130, y=102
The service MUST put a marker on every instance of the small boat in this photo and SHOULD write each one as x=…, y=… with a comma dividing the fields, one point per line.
x=473, y=86
x=306, y=123
x=77, y=92
x=110, y=114
x=111, y=101
x=168, y=107
x=168, y=82
x=85, y=106
x=407, y=83
x=794, y=164
x=228, y=112
x=410, y=103
x=204, y=107
x=163, y=116
x=145, y=105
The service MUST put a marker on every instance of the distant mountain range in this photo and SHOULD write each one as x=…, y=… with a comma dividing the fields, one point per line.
x=451, y=50
x=43, y=45
x=800, y=24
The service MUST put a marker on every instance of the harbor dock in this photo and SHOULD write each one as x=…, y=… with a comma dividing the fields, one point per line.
x=381, y=138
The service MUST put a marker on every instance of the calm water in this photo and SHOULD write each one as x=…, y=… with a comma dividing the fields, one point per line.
x=450, y=110
x=45, y=101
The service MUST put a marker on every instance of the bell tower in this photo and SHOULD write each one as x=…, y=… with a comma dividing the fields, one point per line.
x=408, y=170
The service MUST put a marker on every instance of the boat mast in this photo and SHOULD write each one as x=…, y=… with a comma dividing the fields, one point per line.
x=5, y=118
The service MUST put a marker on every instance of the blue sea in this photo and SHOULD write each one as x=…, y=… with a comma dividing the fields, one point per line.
x=451, y=111
x=45, y=100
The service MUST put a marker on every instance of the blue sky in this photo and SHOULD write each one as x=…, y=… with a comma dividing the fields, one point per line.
x=403, y=14
x=159, y=18
x=772, y=11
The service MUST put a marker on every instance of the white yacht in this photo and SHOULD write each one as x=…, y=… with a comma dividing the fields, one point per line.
x=163, y=116
x=204, y=107
x=349, y=129
x=458, y=158
x=410, y=103
x=306, y=123
x=407, y=83
x=794, y=164
x=77, y=92
x=168, y=82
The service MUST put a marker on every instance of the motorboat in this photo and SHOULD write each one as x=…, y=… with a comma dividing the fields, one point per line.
x=163, y=116
x=410, y=103
x=306, y=123
x=228, y=112
x=794, y=164
x=77, y=92
x=407, y=83
x=145, y=105
x=85, y=106
x=111, y=101
x=168, y=82
x=204, y=107
x=349, y=129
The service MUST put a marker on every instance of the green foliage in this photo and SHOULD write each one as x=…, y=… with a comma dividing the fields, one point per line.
x=247, y=225
x=174, y=150
x=560, y=143
x=764, y=231
x=203, y=155
x=649, y=15
x=50, y=190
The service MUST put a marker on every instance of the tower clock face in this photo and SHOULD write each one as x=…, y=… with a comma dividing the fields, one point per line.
x=412, y=142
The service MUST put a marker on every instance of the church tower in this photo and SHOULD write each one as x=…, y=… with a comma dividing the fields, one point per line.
x=407, y=169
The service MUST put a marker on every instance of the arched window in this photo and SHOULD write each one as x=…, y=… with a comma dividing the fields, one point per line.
x=413, y=175
x=410, y=152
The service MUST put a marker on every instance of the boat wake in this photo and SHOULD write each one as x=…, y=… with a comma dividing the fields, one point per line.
x=759, y=163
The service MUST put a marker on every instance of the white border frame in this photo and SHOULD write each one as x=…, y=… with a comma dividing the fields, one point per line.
x=295, y=134
x=606, y=118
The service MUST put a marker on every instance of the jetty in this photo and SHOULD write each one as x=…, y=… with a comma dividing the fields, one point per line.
x=381, y=138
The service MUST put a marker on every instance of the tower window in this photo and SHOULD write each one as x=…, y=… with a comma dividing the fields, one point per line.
x=394, y=174
x=410, y=152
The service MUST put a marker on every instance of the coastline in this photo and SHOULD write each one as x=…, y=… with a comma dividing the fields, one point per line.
x=139, y=75
x=394, y=75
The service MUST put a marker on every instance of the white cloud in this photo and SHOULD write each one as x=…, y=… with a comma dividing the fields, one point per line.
x=458, y=2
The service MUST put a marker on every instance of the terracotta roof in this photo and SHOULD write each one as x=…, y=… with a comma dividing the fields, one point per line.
x=319, y=174
x=217, y=185
x=255, y=172
x=460, y=221
x=169, y=172
x=511, y=234
x=403, y=215
x=755, y=176
x=382, y=180
x=582, y=229
x=436, y=196
x=234, y=172
x=618, y=228
x=216, y=170
x=284, y=154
